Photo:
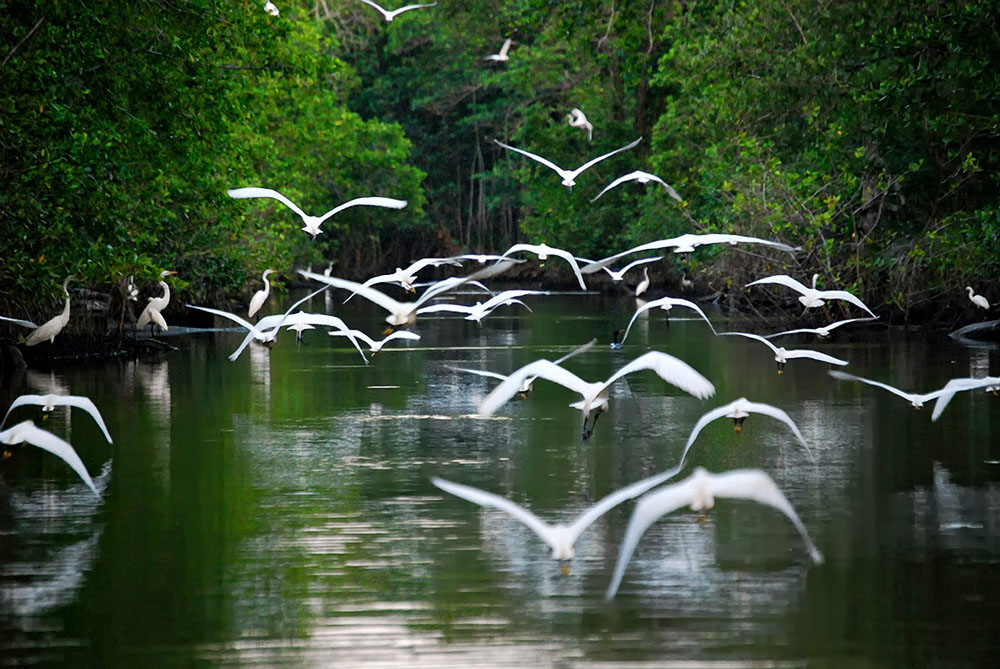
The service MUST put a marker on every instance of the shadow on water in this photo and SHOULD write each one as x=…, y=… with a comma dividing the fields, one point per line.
x=278, y=509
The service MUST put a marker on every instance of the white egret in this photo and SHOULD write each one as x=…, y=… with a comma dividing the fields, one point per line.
x=619, y=275
x=480, y=310
x=666, y=304
x=685, y=245
x=298, y=328
x=258, y=299
x=50, y=402
x=390, y=15
x=153, y=311
x=823, y=332
x=595, y=395
x=783, y=355
x=481, y=258
x=568, y=176
x=978, y=300
x=271, y=8
x=406, y=278
x=26, y=432
x=502, y=56
x=739, y=410
x=699, y=492
x=578, y=119
x=811, y=297
x=990, y=384
x=373, y=345
x=52, y=327
x=916, y=400
x=643, y=178
x=312, y=223
x=404, y=314
x=560, y=537
x=528, y=383
x=543, y=251
x=643, y=284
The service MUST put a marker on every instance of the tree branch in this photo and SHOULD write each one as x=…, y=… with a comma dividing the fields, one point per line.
x=23, y=40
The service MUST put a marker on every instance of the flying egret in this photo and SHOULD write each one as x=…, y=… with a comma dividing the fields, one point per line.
x=560, y=537
x=685, y=245
x=502, y=56
x=666, y=304
x=271, y=8
x=298, y=328
x=699, y=492
x=643, y=178
x=404, y=314
x=153, y=311
x=916, y=400
x=52, y=327
x=528, y=383
x=595, y=395
x=390, y=15
x=823, y=332
x=49, y=402
x=577, y=119
x=783, y=355
x=26, y=432
x=619, y=275
x=373, y=345
x=258, y=299
x=480, y=310
x=313, y=223
x=543, y=251
x=978, y=300
x=569, y=176
x=811, y=297
x=406, y=278
x=990, y=384
x=739, y=410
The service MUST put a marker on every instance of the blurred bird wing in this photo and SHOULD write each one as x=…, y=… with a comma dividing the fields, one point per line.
x=575, y=352
x=370, y=294
x=544, y=369
x=708, y=417
x=507, y=295
x=783, y=280
x=670, y=369
x=847, y=297
x=22, y=401
x=776, y=413
x=813, y=355
x=958, y=385
x=18, y=321
x=537, y=158
x=389, y=202
x=266, y=192
x=85, y=403
x=455, y=282
x=749, y=335
x=480, y=372
x=47, y=441
x=594, y=161
x=505, y=48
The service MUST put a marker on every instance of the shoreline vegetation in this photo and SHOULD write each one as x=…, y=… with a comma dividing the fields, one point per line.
x=869, y=138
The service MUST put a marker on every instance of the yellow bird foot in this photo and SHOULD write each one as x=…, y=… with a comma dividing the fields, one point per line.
x=564, y=568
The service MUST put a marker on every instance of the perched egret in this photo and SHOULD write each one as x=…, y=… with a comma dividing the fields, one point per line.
x=569, y=176
x=699, y=492
x=52, y=327
x=528, y=383
x=577, y=119
x=26, y=432
x=643, y=284
x=823, y=332
x=271, y=8
x=258, y=299
x=595, y=395
x=543, y=251
x=811, y=297
x=685, y=245
x=390, y=15
x=643, y=178
x=782, y=355
x=977, y=300
x=666, y=304
x=502, y=56
x=312, y=223
x=153, y=311
x=50, y=402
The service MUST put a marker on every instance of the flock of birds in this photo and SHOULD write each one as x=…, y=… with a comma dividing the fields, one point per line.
x=656, y=496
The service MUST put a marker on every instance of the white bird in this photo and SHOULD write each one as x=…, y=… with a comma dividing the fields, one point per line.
x=666, y=304
x=619, y=275
x=595, y=395
x=685, y=245
x=543, y=251
x=258, y=299
x=404, y=314
x=373, y=345
x=528, y=383
x=916, y=400
x=699, y=492
x=811, y=297
x=312, y=223
x=390, y=15
x=978, y=300
x=560, y=537
x=153, y=311
x=406, y=278
x=298, y=328
x=502, y=56
x=643, y=178
x=739, y=410
x=643, y=284
x=783, y=355
x=990, y=384
x=480, y=310
x=823, y=332
x=568, y=176
x=578, y=119
x=271, y=8
x=26, y=432
x=481, y=258
x=49, y=402
x=52, y=327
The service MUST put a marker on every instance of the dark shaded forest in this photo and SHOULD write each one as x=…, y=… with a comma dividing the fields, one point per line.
x=866, y=133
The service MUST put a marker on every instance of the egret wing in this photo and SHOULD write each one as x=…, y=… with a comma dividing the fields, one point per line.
x=27, y=432
x=18, y=321
x=87, y=405
x=364, y=201
x=240, y=193
x=847, y=297
x=775, y=412
x=512, y=385
x=670, y=369
x=379, y=298
x=480, y=372
x=590, y=163
x=21, y=401
x=813, y=355
x=548, y=163
x=782, y=280
x=707, y=418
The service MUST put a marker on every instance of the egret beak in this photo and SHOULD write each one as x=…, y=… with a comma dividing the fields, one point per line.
x=701, y=519
x=564, y=569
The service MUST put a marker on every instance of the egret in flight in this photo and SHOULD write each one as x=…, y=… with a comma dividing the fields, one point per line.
x=50, y=402
x=312, y=223
x=373, y=345
x=578, y=119
x=783, y=355
x=528, y=383
x=390, y=15
x=543, y=251
x=569, y=176
x=666, y=304
x=811, y=297
x=480, y=310
x=406, y=278
x=26, y=432
x=916, y=400
x=643, y=178
x=823, y=332
x=685, y=245
x=990, y=384
x=502, y=56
